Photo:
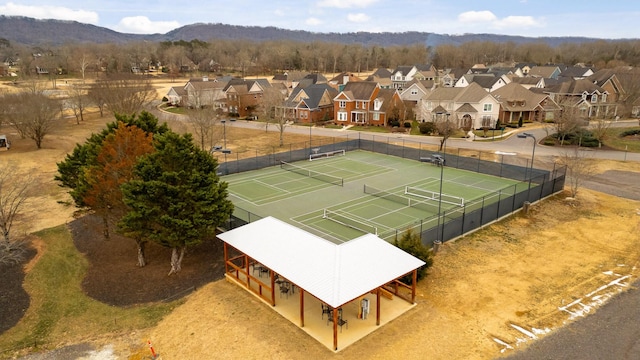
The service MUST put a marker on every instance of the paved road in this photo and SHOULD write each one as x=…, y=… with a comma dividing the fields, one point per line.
x=613, y=332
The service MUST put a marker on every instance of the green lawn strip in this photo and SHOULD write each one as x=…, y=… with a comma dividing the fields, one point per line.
x=613, y=139
x=60, y=311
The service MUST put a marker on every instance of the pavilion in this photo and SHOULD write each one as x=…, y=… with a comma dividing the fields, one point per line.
x=288, y=257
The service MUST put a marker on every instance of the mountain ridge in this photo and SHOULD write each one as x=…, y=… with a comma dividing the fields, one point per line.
x=36, y=32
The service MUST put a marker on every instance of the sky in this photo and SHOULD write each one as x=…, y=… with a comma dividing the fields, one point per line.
x=531, y=18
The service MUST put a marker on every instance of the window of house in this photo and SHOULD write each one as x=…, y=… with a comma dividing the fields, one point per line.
x=342, y=104
x=604, y=97
x=487, y=107
x=342, y=116
x=594, y=98
x=414, y=92
x=376, y=116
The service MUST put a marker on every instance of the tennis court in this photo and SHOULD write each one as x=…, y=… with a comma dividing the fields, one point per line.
x=341, y=197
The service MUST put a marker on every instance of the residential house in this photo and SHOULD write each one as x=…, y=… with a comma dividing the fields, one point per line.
x=451, y=76
x=551, y=71
x=529, y=81
x=608, y=80
x=589, y=99
x=177, y=96
x=339, y=81
x=310, y=104
x=365, y=102
x=470, y=106
x=205, y=92
x=576, y=72
x=243, y=96
x=426, y=72
x=525, y=67
x=402, y=75
x=414, y=92
x=382, y=76
x=489, y=82
x=518, y=102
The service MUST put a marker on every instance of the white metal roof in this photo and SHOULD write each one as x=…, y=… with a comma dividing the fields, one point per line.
x=335, y=274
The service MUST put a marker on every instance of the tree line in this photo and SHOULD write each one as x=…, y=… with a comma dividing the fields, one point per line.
x=266, y=58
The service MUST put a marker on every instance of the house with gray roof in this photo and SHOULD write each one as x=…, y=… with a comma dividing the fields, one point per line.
x=311, y=104
x=589, y=99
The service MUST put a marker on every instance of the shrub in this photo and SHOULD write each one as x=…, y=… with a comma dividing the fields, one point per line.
x=407, y=125
x=412, y=243
x=427, y=128
x=630, y=132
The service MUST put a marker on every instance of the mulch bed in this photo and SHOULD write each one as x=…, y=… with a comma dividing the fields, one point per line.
x=113, y=276
x=14, y=301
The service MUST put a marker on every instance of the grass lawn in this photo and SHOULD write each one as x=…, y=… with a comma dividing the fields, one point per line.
x=628, y=143
x=60, y=311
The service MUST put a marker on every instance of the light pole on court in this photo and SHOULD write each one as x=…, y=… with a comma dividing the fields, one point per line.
x=533, y=152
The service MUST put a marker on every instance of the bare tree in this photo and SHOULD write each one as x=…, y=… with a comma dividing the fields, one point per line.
x=579, y=168
x=599, y=129
x=568, y=121
x=445, y=127
x=33, y=114
x=125, y=95
x=272, y=109
x=78, y=100
x=15, y=187
x=203, y=121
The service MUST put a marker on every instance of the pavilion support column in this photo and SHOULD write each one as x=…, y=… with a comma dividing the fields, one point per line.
x=335, y=328
x=378, y=306
x=273, y=288
x=301, y=307
x=226, y=257
x=414, y=282
x=247, y=265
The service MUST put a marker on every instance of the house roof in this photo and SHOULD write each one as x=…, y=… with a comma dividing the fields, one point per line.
x=515, y=97
x=575, y=88
x=310, y=95
x=360, y=90
x=335, y=274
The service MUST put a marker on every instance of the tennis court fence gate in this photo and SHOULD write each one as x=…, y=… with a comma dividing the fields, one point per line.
x=451, y=223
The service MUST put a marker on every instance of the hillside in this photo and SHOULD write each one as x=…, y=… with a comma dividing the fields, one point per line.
x=29, y=31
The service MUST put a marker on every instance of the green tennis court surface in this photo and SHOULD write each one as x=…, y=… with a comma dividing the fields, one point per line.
x=342, y=197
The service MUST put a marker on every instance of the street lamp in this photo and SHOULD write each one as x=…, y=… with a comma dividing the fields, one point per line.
x=533, y=153
x=224, y=149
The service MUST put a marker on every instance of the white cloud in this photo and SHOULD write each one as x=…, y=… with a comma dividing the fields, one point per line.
x=358, y=18
x=142, y=25
x=517, y=21
x=313, y=21
x=49, y=12
x=279, y=12
x=345, y=4
x=476, y=16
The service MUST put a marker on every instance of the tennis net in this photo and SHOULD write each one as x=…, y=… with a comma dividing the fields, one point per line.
x=312, y=174
x=348, y=221
x=422, y=205
x=433, y=195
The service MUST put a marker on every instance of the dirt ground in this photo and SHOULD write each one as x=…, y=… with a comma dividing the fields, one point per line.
x=517, y=274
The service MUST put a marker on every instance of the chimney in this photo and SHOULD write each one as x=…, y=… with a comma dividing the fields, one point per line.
x=345, y=79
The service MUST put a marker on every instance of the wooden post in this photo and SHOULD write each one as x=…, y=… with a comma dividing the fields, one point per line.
x=335, y=328
x=273, y=288
x=226, y=257
x=247, y=265
x=378, y=306
x=413, y=286
x=301, y=307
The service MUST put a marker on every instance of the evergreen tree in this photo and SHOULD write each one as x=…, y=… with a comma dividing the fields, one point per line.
x=176, y=198
x=411, y=243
